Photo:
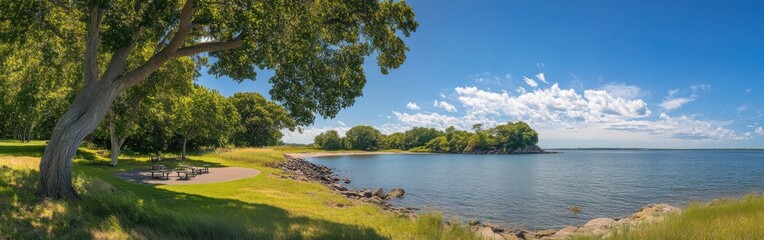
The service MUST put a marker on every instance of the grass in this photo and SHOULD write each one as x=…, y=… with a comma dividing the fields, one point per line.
x=265, y=206
x=726, y=219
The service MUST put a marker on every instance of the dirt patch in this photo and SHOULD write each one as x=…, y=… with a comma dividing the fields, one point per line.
x=224, y=174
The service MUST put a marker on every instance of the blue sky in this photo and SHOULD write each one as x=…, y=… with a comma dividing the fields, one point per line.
x=683, y=74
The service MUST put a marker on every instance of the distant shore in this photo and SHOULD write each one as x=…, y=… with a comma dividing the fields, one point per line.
x=329, y=154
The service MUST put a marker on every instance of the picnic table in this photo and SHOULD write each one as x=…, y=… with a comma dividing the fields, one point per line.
x=186, y=174
x=163, y=173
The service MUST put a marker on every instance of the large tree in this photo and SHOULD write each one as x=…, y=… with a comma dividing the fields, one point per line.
x=316, y=49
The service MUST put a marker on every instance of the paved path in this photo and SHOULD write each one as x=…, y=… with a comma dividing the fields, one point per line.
x=224, y=174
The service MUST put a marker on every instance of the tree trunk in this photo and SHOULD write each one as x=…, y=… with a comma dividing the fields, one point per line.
x=86, y=112
x=183, y=153
x=116, y=143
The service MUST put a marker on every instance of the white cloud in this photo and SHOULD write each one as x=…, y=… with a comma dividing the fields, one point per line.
x=442, y=95
x=412, y=106
x=520, y=90
x=552, y=105
x=700, y=87
x=759, y=131
x=444, y=105
x=672, y=92
x=341, y=123
x=530, y=82
x=428, y=120
x=307, y=135
x=594, y=112
x=675, y=103
x=623, y=91
x=541, y=78
x=742, y=108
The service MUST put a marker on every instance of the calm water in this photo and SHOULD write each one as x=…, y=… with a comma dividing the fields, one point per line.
x=535, y=191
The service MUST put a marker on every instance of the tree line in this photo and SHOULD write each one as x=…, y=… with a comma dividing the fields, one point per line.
x=167, y=112
x=511, y=137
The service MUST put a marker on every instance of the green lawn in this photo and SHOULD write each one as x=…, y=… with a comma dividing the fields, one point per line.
x=265, y=206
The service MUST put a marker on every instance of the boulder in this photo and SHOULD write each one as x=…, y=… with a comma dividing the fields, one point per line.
x=396, y=192
x=349, y=193
x=564, y=233
x=487, y=233
x=599, y=225
x=653, y=212
x=378, y=192
x=545, y=233
x=366, y=194
x=473, y=222
x=339, y=187
x=346, y=180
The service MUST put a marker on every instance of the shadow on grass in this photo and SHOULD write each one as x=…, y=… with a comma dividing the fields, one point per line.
x=141, y=211
x=36, y=150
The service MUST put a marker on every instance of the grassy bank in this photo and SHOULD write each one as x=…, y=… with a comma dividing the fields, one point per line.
x=265, y=206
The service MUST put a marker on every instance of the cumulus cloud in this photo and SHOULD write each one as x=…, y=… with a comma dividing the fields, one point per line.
x=670, y=104
x=541, y=78
x=444, y=105
x=530, y=82
x=412, y=106
x=759, y=131
x=623, y=91
x=554, y=105
x=611, y=110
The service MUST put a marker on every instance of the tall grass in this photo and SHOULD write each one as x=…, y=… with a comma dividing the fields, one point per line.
x=258, y=156
x=725, y=219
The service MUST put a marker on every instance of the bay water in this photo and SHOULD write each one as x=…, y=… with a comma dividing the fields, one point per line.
x=536, y=191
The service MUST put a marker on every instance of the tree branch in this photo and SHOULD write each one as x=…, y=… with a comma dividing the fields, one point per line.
x=91, y=48
x=118, y=62
x=184, y=28
x=210, y=47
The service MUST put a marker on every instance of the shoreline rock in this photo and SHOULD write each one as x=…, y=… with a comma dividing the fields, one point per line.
x=598, y=226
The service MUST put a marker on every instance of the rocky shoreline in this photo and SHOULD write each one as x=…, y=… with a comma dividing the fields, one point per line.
x=302, y=170
x=597, y=227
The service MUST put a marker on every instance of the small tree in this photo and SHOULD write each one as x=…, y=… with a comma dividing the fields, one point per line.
x=329, y=140
x=363, y=138
x=204, y=115
x=261, y=120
